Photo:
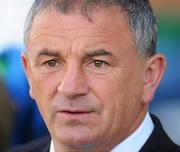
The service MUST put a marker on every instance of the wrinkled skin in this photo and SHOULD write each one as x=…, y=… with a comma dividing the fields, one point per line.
x=91, y=86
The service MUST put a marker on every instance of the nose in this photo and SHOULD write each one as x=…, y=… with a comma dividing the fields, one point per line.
x=73, y=83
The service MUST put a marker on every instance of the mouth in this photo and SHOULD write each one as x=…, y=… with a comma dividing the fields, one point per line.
x=68, y=113
x=75, y=112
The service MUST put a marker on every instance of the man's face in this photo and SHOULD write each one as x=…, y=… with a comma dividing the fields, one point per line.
x=86, y=77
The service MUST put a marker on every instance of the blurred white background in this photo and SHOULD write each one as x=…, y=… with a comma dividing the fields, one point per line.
x=12, y=18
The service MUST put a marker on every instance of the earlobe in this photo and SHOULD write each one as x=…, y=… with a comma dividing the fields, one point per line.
x=153, y=73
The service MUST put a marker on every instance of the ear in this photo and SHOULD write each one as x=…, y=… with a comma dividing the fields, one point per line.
x=25, y=62
x=26, y=66
x=153, y=73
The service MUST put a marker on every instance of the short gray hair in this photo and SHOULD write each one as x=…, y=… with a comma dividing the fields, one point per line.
x=139, y=12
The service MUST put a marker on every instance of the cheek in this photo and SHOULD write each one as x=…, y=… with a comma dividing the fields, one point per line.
x=130, y=94
x=118, y=91
x=44, y=86
x=108, y=92
x=112, y=95
x=43, y=90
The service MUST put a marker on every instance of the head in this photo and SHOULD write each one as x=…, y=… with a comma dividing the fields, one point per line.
x=92, y=69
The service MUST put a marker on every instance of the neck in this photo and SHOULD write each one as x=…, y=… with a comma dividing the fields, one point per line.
x=139, y=118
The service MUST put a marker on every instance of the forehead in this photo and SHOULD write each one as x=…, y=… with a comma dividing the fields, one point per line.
x=106, y=19
x=107, y=27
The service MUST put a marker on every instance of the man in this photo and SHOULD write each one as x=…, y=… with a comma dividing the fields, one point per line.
x=93, y=70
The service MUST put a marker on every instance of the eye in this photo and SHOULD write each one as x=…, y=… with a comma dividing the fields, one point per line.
x=98, y=66
x=50, y=63
x=98, y=63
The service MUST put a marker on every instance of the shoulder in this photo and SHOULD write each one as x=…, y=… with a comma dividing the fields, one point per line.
x=159, y=140
x=40, y=145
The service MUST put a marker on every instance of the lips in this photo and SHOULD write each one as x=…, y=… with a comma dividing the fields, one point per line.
x=75, y=112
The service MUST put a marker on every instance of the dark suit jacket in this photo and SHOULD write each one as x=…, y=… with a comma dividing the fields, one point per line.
x=157, y=142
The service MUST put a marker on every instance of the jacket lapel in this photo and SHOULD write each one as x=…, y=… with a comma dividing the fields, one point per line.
x=158, y=141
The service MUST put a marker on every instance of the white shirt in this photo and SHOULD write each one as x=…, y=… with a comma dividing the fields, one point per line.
x=135, y=141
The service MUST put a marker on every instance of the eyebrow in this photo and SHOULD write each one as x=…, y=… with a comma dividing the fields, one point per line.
x=47, y=52
x=87, y=54
x=99, y=52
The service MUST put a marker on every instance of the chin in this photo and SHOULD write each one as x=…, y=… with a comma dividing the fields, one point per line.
x=77, y=137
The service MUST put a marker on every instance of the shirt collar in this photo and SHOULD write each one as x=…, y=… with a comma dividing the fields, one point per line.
x=52, y=147
x=136, y=140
